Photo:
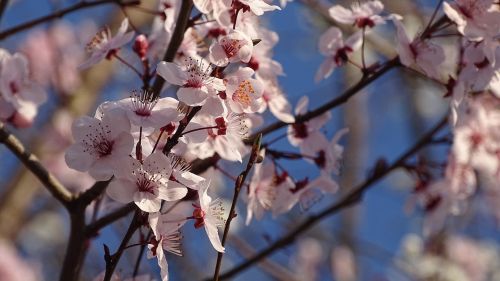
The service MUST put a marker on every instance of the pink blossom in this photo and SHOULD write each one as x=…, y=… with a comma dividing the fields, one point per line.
x=362, y=15
x=19, y=95
x=304, y=192
x=167, y=238
x=145, y=183
x=261, y=191
x=244, y=93
x=100, y=144
x=473, y=17
x=307, y=135
x=234, y=47
x=209, y=214
x=144, y=111
x=258, y=7
x=336, y=50
x=195, y=80
x=276, y=100
x=225, y=139
x=418, y=52
x=104, y=45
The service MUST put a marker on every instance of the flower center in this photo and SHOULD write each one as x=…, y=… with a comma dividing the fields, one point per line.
x=99, y=39
x=142, y=104
x=242, y=95
x=231, y=47
x=97, y=143
x=300, y=130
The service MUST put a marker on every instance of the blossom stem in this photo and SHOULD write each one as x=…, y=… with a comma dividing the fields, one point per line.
x=353, y=197
x=363, y=51
x=58, y=14
x=434, y=15
x=158, y=140
x=199, y=129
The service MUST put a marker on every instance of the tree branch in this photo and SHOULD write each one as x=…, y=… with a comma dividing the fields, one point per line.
x=240, y=181
x=347, y=200
x=175, y=42
x=58, y=14
x=332, y=103
x=3, y=6
x=108, y=219
x=33, y=164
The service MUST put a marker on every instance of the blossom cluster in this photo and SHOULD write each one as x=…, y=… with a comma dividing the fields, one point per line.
x=223, y=78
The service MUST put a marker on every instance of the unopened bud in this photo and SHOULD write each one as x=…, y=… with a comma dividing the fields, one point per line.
x=141, y=46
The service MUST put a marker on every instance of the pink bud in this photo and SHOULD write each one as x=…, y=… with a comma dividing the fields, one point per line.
x=141, y=45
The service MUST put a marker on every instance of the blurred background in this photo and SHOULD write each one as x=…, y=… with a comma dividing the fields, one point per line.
x=379, y=239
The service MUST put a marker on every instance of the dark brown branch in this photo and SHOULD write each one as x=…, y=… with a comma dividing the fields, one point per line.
x=347, y=200
x=175, y=42
x=240, y=181
x=93, y=228
x=112, y=260
x=93, y=192
x=33, y=164
x=58, y=14
x=73, y=259
x=3, y=6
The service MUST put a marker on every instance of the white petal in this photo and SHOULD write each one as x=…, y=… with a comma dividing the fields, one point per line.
x=213, y=235
x=147, y=202
x=192, y=96
x=121, y=190
x=171, y=72
x=172, y=194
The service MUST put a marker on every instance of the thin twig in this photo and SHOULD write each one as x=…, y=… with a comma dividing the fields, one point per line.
x=240, y=181
x=31, y=162
x=112, y=260
x=58, y=14
x=347, y=200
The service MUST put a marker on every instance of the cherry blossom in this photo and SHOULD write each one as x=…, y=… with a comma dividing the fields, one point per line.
x=304, y=192
x=19, y=95
x=145, y=111
x=145, y=183
x=262, y=191
x=194, y=78
x=422, y=53
x=100, y=144
x=307, y=135
x=233, y=47
x=329, y=159
x=243, y=93
x=258, y=7
x=362, y=15
x=167, y=238
x=276, y=101
x=105, y=46
x=225, y=139
x=336, y=50
x=472, y=17
x=209, y=214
